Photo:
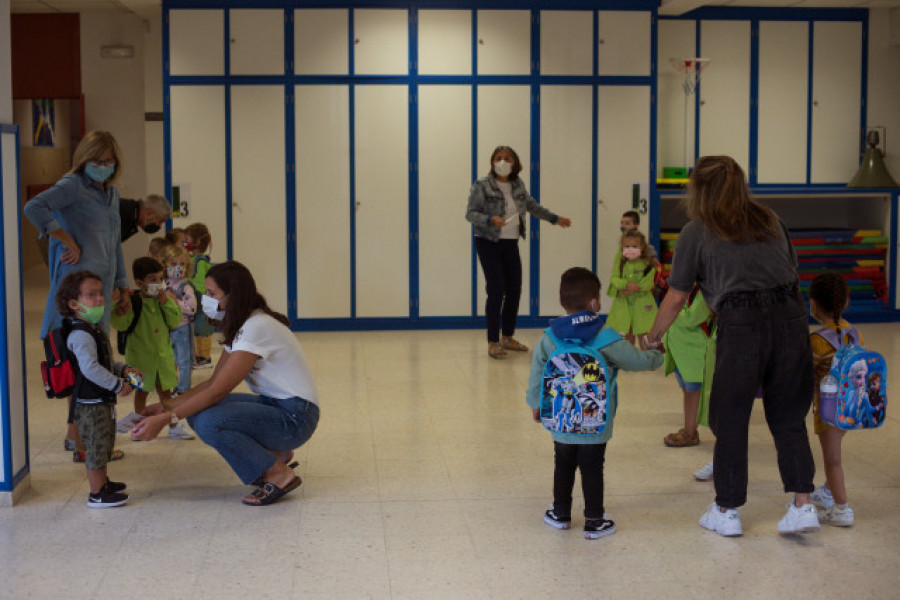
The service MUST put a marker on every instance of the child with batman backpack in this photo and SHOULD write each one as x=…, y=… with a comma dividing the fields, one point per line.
x=572, y=391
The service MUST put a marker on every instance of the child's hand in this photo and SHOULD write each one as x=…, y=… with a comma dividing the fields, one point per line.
x=536, y=415
x=126, y=389
x=632, y=287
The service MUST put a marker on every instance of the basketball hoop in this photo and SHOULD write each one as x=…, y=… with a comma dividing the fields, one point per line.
x=691, y=67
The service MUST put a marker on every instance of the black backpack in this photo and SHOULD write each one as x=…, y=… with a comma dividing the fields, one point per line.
x=122, y=336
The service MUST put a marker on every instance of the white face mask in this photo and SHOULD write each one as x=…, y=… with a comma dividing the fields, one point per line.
x=211, y=308
x=155, y=289
x=631, y=253
x=502, y=168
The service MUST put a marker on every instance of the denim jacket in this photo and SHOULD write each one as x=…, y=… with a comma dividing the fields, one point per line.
x=90, y=215
x=486, y=201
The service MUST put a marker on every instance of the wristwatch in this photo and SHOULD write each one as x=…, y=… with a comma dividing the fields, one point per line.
x=173, y=418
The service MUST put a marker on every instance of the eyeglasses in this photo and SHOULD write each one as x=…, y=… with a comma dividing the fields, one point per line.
x=103, y=163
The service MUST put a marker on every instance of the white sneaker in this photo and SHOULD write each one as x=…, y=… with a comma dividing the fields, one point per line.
x=726, y=523
x=704, y=473
x=180, y=432
x=822, y=496
x=802, y=519
x=838, y=515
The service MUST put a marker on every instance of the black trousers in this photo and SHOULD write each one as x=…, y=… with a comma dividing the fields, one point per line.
x=763, y=341
x=588, y=458
x=502, y=268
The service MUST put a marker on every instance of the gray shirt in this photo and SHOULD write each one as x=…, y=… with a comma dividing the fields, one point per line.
x=82, y=345
x=720, y=267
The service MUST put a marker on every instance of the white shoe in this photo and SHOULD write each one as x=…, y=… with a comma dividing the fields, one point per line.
x=726, y=523
x=822, y=496
x=704, y=473
x=838, y=515
x=799, y=519
x=180, y=432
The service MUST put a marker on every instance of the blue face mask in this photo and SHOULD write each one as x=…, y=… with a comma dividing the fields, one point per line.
x=99, y=173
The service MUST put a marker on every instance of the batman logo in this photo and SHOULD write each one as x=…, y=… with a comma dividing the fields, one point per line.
x=591, y=372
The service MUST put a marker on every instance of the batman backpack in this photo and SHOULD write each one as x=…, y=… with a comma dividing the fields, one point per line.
x=854, y=393
x=574, y=390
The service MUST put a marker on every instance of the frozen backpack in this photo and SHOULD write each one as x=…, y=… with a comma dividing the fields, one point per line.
x=854, y=393
x=574, y=391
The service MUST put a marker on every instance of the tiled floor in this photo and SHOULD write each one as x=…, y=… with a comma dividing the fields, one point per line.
x=428, y=479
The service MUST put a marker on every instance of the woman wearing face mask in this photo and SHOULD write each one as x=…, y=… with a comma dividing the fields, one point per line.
x=497, y=207
x=80, y=214
x=255, y=433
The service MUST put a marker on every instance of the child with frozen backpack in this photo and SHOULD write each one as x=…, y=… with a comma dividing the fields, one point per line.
x=828, y=297
x=630, y=285
x=579, y=293
x=178, y=272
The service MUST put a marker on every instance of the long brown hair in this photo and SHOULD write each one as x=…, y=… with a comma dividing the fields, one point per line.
x=237, y=282
x=91, y=147
x=719, y=198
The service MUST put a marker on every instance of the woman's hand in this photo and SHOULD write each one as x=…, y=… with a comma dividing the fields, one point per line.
x=149, y=427
x=564, y=222
x=71, y=255
x=153, y=410
x=498, y=222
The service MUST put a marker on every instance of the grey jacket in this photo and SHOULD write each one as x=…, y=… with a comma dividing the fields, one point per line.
x=486, y=201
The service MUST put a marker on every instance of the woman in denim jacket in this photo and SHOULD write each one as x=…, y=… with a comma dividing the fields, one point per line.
x=497, y=207
x=80, y=214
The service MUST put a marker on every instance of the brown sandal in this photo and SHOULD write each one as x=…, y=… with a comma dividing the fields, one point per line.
x=680, y=439
x=511, y=343
x=495, y=350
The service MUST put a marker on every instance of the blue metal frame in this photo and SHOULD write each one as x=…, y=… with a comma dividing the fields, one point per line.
x=289, y=80
x=8, y=485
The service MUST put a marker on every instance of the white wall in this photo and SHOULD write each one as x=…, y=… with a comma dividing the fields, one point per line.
x=114, y=100
x=884, y=84
x=153, y=102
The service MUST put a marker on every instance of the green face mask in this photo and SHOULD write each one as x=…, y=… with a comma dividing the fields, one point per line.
x=92, y=314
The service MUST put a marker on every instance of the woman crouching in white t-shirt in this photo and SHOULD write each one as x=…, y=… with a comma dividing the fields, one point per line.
x=255, y=433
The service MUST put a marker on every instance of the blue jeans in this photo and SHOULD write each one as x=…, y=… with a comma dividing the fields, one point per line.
x=182, y=346
x=245, y=429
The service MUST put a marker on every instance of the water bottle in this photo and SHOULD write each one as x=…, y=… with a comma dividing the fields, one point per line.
x=828, y=395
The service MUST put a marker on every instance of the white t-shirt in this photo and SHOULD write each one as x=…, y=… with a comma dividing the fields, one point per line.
x=282, y=370
x=510, y=231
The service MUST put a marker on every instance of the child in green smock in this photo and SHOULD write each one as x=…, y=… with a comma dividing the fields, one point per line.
x=631, y=281
x=685, y=343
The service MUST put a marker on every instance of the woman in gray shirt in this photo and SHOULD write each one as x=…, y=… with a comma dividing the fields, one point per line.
x=739, y=253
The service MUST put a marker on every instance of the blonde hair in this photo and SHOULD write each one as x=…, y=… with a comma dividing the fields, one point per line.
x=91, y=147
x=173, y=251
x=645, y=247
x=718, y=197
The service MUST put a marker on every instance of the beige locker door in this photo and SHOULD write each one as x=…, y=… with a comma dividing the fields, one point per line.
x=322, y=140
x=623, y=154
x=566, y=173
x=198, y=159
x=382, y=200
x=445, y=168
x=258, y=211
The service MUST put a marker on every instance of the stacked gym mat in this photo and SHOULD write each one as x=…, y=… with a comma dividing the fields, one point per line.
x=859, y=255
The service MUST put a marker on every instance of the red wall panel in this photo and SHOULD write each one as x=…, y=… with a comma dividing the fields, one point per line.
x=46, y=56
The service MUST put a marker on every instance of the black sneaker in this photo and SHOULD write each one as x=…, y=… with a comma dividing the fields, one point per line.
x=106, y=499
x=202, y=363
x=557, y=519
x=598, y=528
x=113, y=487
